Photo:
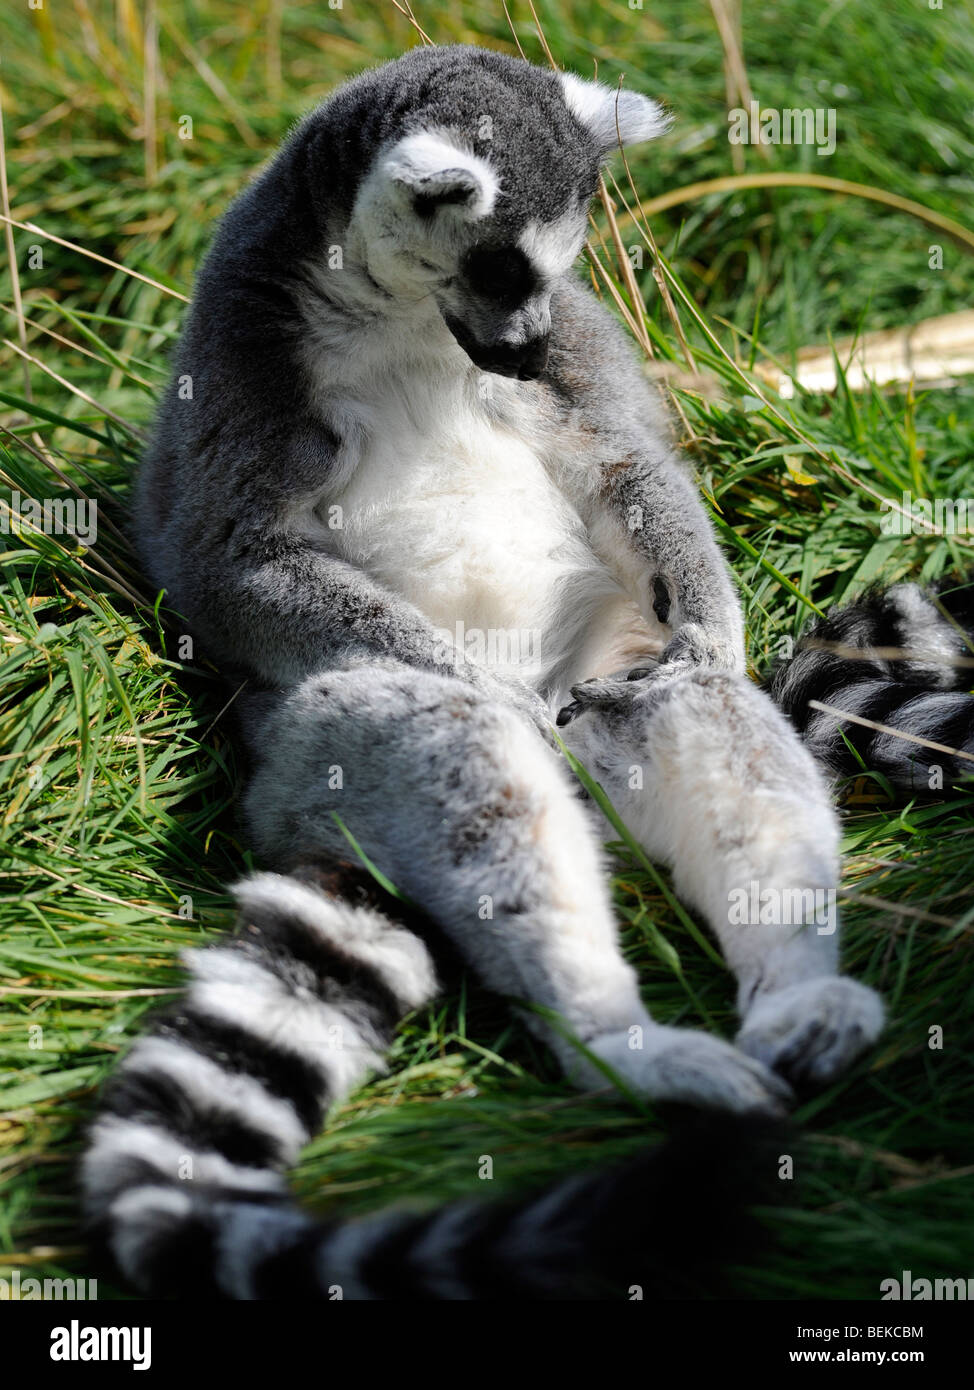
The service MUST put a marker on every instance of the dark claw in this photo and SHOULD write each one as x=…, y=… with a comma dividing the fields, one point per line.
x=567, y=714
x=639, y=672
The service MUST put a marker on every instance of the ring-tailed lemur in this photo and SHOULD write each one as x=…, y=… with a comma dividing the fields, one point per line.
x=397, y=417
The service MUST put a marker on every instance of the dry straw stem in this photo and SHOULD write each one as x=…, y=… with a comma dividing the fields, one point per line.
x=898, y=909
x=18, y=308
x=541, y=36
x=735, y=183
x=272, y=49
x=233, y=108
x=635, y=312
x=625, y=266
x=404, y=8
x=510, y=25
x=659, y=277
x=613, y=288
x=78, y=347
x=896, y=1163
x=12, y=251
x=884, y=653
x=727, y=16
x=888, y=729
x=75, y=390
x=150, y=79
x=93, y=256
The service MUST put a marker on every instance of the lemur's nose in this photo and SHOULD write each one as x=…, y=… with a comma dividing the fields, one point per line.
x=534, y=359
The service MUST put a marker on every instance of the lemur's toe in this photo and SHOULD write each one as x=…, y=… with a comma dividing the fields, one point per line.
x=601, y=692
x=811, y=1032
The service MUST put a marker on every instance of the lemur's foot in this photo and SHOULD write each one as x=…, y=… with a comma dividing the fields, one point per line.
x=679, y=1064
x=810, y=1032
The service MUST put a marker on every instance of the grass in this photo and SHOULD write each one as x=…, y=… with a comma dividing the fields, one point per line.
x=119, y=828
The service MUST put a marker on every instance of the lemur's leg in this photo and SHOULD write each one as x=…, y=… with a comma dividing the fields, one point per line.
x=714, y=782
x=457, y=799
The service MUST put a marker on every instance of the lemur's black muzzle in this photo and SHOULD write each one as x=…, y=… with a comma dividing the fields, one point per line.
x=534, y=359
x=526, y=361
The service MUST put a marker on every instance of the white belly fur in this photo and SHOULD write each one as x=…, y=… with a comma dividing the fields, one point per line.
x=460, y=517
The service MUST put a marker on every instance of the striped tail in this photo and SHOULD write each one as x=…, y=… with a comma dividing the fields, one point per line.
x=902, y=660
x=183, y=1176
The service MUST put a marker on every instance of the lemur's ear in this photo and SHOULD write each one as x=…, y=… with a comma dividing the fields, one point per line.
x=439, y=174
x=610, y=113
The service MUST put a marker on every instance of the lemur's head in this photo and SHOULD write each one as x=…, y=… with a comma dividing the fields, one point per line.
x=479, y=200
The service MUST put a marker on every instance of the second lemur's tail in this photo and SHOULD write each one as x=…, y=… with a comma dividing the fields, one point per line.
x=902, y=659
x=183, y=1176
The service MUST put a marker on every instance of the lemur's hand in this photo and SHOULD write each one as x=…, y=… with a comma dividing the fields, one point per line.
x=693, y=646
x=616, y=694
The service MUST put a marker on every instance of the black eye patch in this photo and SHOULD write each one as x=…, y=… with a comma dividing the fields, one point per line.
x=425, y=204
x=500, y=273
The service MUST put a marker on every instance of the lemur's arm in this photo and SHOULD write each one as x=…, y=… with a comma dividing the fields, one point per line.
x=643, y=509
x=283, y=610
x=685, y=580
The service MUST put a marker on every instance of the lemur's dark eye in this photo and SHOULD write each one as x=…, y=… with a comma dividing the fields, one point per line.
x=500, y=273
x=426, y=204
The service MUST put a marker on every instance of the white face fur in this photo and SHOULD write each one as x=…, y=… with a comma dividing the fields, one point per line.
x=421, y=223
